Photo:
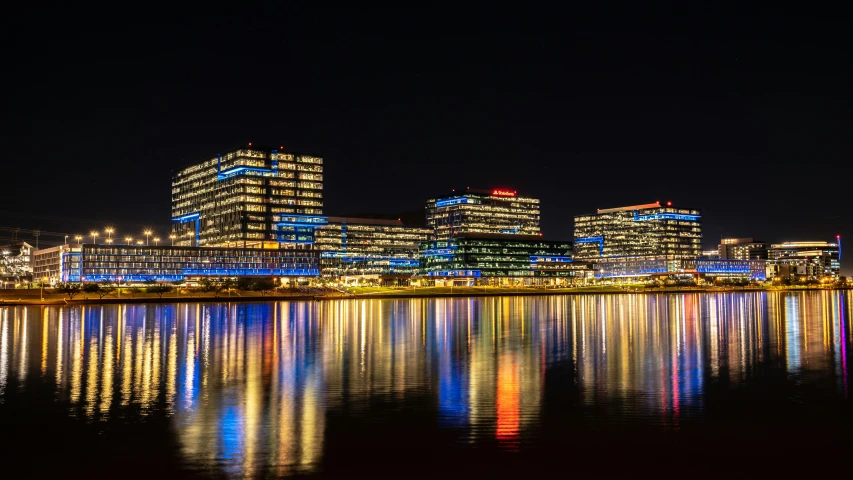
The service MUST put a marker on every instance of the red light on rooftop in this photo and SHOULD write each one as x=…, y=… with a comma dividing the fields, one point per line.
x=250, y=144
x=503, y=193
x=281, y=147
x=668, y=204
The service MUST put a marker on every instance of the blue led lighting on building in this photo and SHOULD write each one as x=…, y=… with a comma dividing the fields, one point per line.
x=455, y=273
x=440, y=252
x=186, y=218
x=241, y=170
x=452, y=201
x=665, y=216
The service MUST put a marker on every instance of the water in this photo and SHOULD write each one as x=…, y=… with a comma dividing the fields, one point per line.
x=700, y=384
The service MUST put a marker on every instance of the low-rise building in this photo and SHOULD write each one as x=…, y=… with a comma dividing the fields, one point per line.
x=699, y=267
x=810, y=260
x=502, y=258
x=385, y=250
x=16, y=263
x=137, y=263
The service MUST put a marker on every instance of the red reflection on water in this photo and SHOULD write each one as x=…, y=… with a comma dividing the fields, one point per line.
x=507, y=402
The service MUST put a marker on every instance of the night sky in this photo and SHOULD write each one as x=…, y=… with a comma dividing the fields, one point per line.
x=745, y=114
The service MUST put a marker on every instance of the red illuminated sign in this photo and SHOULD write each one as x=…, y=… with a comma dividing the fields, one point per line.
x=503, y=193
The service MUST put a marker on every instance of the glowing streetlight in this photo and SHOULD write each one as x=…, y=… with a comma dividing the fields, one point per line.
x=172, y=237
x=43, y=280
x=79, y=238
x=128, y=240
x=147, y=234
x=139, y=242
x=156, y=240
x=109, y=231
x=109, y=241
x=94, y=236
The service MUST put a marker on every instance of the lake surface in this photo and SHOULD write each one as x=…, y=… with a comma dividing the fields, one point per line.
x=743, y=384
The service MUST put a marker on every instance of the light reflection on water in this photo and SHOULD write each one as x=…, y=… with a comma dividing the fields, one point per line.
x=249, y=388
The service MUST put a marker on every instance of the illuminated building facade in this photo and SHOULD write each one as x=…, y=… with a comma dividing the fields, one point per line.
x=16, y=262
x=249, y=197
x=639, y=231
x=137, y=263
x=47, y=263
x=698, y=267
x=499, y=256
x=805, y=259
x=497, y=211
x=743, y=249
x=365, y=246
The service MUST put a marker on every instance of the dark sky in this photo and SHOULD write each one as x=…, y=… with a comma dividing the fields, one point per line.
x=745, y=114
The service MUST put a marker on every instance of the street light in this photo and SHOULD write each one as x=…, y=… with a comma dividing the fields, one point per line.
x=128, y=240
x=172, y=237
x=79, y=238
x=109, y=241
x=139, y=242
x=156, y=240
x=94, y=235
x=147, y=234
x=109, y=231
x=43, y=279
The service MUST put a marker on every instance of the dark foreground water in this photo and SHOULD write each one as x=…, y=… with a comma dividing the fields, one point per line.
x=751, y=384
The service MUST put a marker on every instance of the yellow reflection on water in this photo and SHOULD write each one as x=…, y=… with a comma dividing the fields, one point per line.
x=249, y=388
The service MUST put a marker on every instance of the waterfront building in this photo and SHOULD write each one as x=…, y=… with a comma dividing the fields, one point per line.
x=248, y=197
x=47, y=263
x=742, y=249
x=380, y=249
x=496, y=211
x=138, y=263
x=501, y=257
x=811, y=260
x=647, y=231
x=16, y=263
x=638, y=268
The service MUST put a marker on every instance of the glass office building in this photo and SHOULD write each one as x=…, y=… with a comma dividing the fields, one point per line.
x=353, y=247
x=498, y=256
x=249, y=197
x=743, y=249
x=639, y=231
x=496, y=211
x=806, y=259
x=137, y=263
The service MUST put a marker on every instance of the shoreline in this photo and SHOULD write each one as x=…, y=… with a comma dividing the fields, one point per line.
x=372, y=296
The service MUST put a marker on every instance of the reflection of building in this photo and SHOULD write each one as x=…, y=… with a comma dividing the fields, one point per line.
x=704, y=267
x=639, y=231
x=482, y=212
x=15, y=262
x=248, y=197
x=89, y=263
x=743, y=249
x=806, y=259
x=499, y=256
x=364, y=246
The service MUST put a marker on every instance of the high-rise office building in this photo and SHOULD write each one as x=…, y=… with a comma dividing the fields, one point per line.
x=806, y=259
x=742, y=249
x=248, y=197
x=366, y=246
x=639, y=231
x=496, y=211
